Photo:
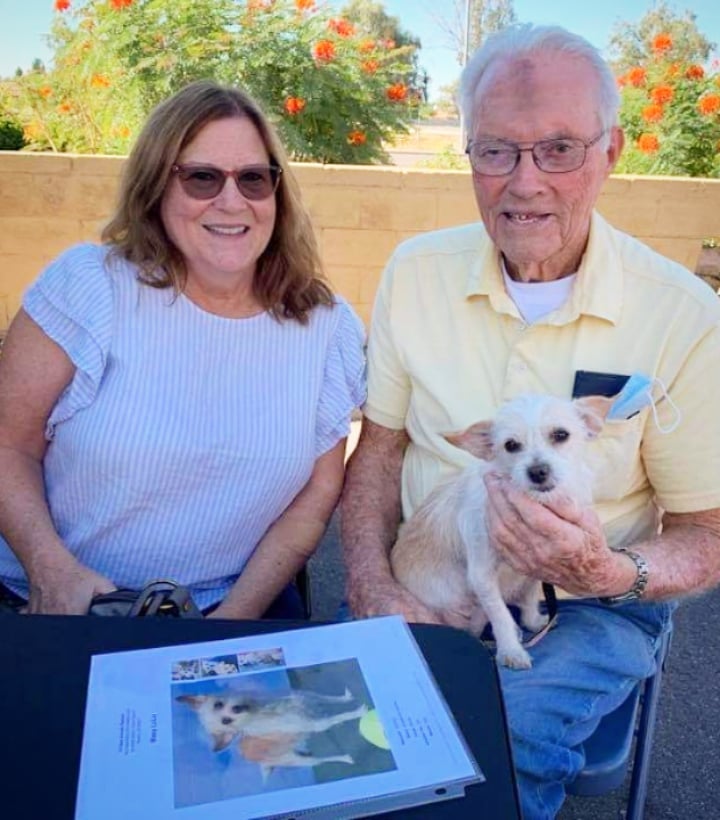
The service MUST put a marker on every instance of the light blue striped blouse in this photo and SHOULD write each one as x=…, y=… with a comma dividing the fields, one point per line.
x=183, y=435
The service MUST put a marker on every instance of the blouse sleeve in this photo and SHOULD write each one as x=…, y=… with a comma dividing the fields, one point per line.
x=344, y=384
x=72, y=301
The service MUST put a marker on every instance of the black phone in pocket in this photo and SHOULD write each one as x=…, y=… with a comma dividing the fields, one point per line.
x=595, y=383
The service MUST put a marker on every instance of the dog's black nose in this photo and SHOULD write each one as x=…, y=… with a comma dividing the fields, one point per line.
x=226, y=721
x=539, y=473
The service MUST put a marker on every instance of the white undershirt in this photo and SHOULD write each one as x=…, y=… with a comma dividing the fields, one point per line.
x=537, y=299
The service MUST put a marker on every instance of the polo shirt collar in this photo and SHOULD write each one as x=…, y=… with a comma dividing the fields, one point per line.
x=598, y=289
x=485, y=278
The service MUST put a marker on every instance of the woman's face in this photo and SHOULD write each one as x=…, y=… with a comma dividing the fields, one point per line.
x=220, y=238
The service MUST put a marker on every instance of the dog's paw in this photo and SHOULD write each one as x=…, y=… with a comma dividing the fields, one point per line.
x=516, y=658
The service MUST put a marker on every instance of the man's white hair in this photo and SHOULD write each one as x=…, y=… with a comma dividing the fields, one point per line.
x=525, y=40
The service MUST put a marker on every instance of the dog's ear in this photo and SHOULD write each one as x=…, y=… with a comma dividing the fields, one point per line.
x=221, y=740
x=593, y=410
x=476, y=440
x=193, y=701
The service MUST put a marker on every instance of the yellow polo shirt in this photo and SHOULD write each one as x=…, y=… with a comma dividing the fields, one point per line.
x=448, y=346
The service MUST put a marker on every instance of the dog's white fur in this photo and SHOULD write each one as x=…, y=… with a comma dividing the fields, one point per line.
x=443, y=554
x=279, y=726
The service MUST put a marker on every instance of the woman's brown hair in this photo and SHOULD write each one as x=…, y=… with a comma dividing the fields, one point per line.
x=288, y=280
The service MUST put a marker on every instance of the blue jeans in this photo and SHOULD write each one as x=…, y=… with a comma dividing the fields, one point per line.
x=582, y=670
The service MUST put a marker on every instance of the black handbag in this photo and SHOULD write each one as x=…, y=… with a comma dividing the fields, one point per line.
x=164, y=599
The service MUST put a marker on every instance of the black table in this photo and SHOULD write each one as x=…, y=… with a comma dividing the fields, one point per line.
x=44, y=667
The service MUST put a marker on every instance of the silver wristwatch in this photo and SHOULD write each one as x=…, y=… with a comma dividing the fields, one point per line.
x=641, y=580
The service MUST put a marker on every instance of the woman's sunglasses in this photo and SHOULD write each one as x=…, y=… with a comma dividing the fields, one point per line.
x=206, y=181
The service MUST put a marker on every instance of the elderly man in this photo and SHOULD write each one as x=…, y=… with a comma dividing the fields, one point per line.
x=544, y=296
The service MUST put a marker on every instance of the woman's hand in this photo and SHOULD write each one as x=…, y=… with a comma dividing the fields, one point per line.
x=65, y=590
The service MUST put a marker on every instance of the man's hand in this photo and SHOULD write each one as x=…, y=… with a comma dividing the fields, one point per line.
x=560, y=543
x=66, y=589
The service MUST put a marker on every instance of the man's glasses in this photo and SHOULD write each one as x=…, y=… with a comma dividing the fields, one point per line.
x=497, y=158
x=206, y=181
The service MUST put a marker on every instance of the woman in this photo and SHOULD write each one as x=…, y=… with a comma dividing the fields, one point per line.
x=174, y=402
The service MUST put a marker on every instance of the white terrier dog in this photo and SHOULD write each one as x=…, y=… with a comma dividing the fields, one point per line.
x=443, y=554
x=271, y=731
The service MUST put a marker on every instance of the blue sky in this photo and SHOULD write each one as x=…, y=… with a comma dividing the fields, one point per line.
x=25, y=23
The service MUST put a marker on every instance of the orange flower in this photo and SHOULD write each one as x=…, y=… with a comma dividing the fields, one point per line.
x=99, y=81
x=45, y=91
x=120, y=4
x=695, y=72
x=370, y=66
x=341, y=27
x=653, y=113
x=32, y=130
x=304, y=5
x=661, y=94
x=661, y=43
x=357, y=137
x=709, y=104
x=648, y=143
x=323, y=51
x=366, y=45
x=65, y=108
x=121, y=131
x=396, y=92
x=61, y=5
x=636, y=76
x=294, y=105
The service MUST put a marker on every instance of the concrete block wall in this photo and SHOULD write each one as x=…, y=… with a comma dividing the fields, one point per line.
x=49, y=201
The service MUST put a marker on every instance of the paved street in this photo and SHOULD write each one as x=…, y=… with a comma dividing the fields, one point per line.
x=685, y=775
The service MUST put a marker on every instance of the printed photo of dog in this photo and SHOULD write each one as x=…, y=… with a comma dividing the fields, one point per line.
x=226, y=665
x=258, y=659
x=443, y=554
x=273, y=729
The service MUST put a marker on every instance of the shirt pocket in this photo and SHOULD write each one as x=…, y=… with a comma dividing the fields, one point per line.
x=614, y=458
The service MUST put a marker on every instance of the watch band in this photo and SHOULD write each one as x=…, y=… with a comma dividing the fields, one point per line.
x=641, y=580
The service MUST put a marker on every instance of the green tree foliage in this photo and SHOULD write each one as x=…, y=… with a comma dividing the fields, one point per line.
x=372, y=20
x=447, y=99
x=11, y=134
x=335, y=94
x=485, y=17
x=631, y=43
x=671, y=114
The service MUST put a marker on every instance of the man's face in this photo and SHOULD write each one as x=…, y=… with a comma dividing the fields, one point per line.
x=539, y=220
